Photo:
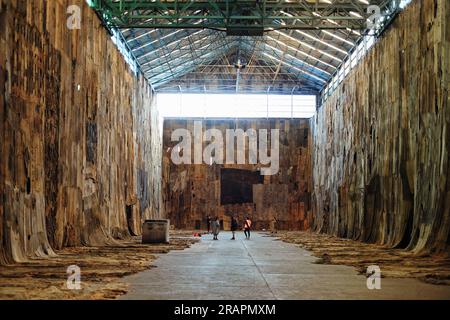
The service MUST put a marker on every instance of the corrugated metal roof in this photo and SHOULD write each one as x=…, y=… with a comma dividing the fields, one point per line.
x=301, y=49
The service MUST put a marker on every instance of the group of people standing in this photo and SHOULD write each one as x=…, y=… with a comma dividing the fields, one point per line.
x=214, y=227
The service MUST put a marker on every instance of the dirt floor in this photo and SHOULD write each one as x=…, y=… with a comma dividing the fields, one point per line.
x=101, y=270
x=395, y=263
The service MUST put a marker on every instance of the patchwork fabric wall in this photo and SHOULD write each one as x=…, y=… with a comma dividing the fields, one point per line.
x=381, y=141
x=80, y=147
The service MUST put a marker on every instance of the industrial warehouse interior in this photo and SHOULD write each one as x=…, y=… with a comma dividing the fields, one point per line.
x=224, y=150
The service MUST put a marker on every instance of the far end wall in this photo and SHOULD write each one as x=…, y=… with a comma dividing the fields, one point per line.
x=191, y=192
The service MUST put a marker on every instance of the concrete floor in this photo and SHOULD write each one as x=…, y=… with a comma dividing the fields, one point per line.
x=262, y=268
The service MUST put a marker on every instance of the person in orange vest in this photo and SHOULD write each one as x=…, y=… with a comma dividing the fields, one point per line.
x=247, y=227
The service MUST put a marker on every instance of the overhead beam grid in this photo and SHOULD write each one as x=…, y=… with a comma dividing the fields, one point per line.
x=297, y=44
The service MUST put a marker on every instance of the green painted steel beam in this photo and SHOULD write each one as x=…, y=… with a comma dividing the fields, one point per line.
x=263, y=15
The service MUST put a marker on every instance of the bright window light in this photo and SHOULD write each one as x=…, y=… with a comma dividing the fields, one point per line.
x=117, y=40
x=185, y=105
x=404, y=3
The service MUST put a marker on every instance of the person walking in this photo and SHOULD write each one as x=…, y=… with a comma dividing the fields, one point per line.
x=247, y=227
x=208, y=223
x=234, y=227
x=216, y=228
x=273, y=225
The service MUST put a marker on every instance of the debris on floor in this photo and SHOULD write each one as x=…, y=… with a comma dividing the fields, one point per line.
x=394, y=263
x=100, y=270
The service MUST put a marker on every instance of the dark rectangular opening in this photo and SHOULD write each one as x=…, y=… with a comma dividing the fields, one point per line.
x=236, y=185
